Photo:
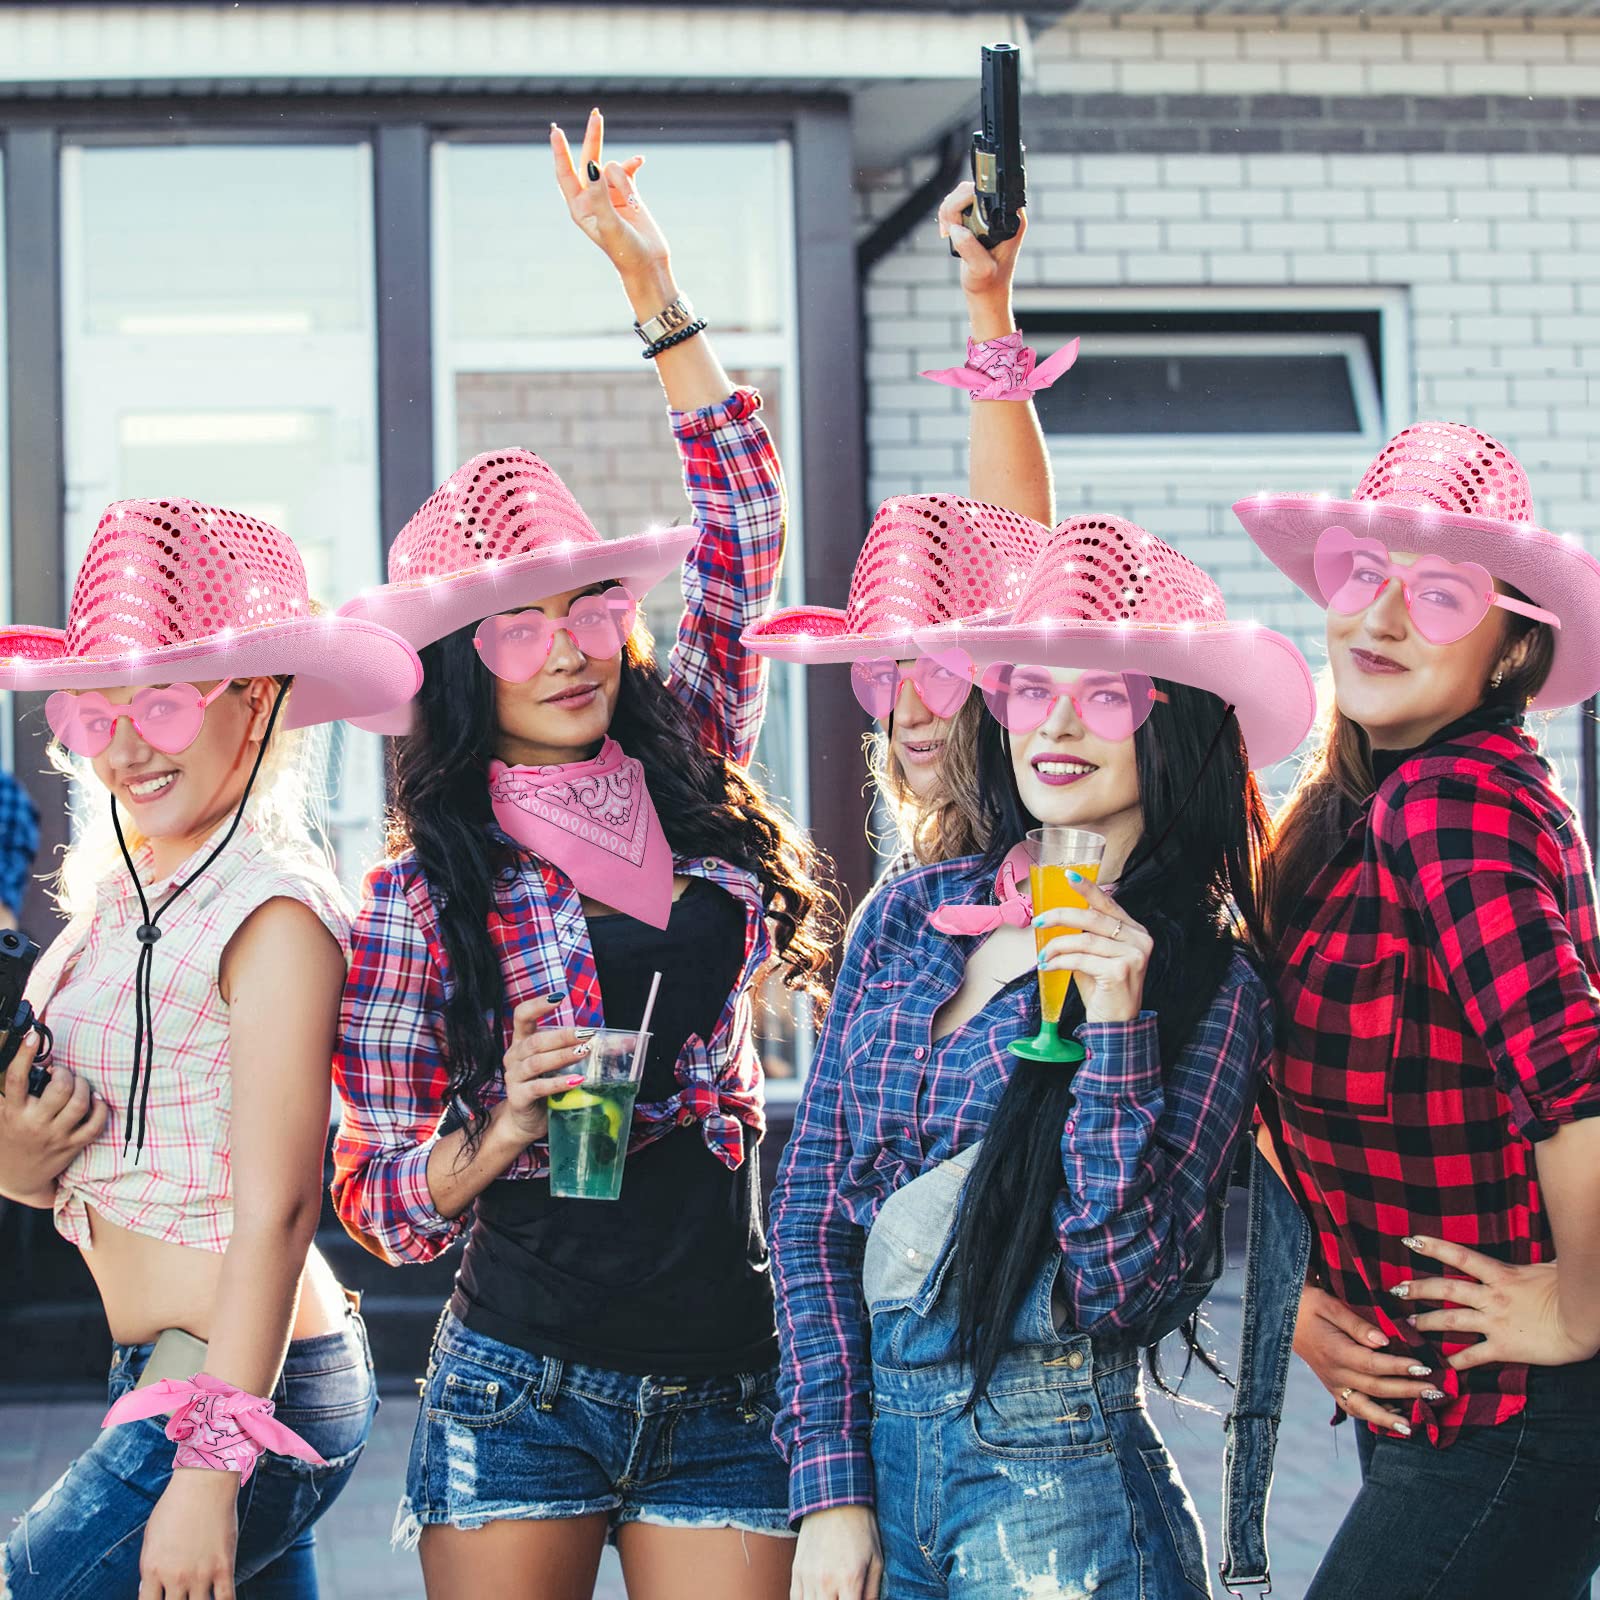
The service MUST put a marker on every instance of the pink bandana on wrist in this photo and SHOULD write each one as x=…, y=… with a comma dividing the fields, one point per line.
x=595, y=821
x=1003, y=369
x=1012, y=891
x=213, y=1424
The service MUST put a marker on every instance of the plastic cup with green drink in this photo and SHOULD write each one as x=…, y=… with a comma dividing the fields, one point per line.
x=589, y=1124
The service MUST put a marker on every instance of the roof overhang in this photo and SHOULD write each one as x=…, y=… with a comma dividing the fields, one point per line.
x=909, y=72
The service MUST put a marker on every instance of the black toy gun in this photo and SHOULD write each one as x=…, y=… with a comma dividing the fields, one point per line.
x=997, y=171
x=17, y=955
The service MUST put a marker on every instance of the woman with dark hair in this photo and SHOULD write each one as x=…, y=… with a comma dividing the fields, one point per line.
x=1436, y=1095
x=566, y=824
x=972, y=1249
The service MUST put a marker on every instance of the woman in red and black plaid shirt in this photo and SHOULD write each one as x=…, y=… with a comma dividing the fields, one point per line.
x=1435, y=1092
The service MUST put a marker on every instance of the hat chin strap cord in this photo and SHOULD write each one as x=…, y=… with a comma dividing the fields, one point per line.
x=149, y=933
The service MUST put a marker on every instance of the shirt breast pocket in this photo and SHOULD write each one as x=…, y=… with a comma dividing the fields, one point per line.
x=1345, y=1037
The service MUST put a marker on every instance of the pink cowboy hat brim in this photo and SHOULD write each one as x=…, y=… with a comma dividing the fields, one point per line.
x=1257, y=671
x=815, y=636
x=1553, y=571
x=423, y=613
x=344, y=670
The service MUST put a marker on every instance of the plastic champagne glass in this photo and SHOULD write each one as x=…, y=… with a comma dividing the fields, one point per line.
x=1057, y=851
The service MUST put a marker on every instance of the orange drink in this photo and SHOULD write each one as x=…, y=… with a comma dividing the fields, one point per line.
x=1057, y=852
x=1052, y=891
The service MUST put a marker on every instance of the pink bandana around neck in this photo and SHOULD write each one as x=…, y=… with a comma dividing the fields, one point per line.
x=595, y=821
x=1013, y=894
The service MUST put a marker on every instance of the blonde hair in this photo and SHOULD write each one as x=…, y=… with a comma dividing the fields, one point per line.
x=947, y=823
x=288, y=807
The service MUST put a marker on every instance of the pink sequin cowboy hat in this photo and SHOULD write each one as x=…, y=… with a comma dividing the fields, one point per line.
x=1104, y=594
x=927, y=558
x=171, y=591
x=502, y=531
x=1442, y=488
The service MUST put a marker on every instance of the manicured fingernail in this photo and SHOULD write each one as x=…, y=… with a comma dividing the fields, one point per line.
x=1042, y=960
x=594, y=173
x=1411, y=1242
x=1433, y=1394
x=1419, y=1371
x=556, y=996
x=1411, y=1321
x=572, y=1083
x=1074, y=877
x=1038, y=921
x=1403, y=1429
x=1376, y=1338
x=1401, y=1290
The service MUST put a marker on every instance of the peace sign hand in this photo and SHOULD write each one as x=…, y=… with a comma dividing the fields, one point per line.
x=1107, y=950
x=605, y=203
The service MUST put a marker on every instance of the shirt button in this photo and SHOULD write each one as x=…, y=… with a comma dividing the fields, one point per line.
x=919, y=1052
x=911, y=1255
x=1075, y=1359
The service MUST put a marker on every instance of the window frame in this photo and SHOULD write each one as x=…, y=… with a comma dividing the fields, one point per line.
x=1383, y=396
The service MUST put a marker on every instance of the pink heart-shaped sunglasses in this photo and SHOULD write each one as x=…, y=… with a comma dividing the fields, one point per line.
x=168, y=719
x=516, y=644
x=1111, y=705
x=1445, y=599
x=942, y=682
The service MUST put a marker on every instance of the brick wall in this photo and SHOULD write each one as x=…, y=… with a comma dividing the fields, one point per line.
x=1450, y=163
x=606, y=434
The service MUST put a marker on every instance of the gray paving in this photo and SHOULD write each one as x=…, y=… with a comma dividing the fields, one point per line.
x=1316, y=1477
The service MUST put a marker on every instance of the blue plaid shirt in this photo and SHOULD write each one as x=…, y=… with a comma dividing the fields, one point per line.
x=1142, y=1154
x=19, y=841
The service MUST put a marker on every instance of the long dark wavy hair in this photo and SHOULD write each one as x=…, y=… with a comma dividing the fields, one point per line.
x=708, y=806
x=1195, y=879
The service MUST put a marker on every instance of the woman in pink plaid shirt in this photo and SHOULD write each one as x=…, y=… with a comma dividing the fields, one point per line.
x=206, y=952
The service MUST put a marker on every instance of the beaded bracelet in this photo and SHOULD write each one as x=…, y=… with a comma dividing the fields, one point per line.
x=651, y=351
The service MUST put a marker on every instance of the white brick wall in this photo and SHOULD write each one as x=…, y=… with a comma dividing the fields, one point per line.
x=1327, y=55
x=1498, y=258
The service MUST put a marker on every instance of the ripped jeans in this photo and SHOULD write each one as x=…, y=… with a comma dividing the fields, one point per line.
x=83, y=1539
x=1056, y=1486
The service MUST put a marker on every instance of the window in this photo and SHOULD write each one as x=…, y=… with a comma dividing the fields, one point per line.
x=1220, y=376
x=232, y=362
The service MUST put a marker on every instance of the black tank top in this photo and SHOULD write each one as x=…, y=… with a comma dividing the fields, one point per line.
x=672, y=1278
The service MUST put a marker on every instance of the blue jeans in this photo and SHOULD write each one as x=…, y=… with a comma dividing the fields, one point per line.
x=83, y=1539
x=503, y=1435
x=1509, y=1510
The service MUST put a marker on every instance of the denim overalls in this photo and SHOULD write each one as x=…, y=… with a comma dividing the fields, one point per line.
x=1057, y=1484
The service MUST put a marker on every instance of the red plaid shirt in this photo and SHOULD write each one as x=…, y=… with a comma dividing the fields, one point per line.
x=1440, y=1017
x=390, y=1065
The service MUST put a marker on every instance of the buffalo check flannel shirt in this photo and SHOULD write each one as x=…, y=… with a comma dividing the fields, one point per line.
x=390, y=1063
x=1143, y=1153
x=1440, y=1018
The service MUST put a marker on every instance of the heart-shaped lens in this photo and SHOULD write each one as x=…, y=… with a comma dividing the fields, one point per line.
x=169, y=719
x=1019, y=697
x=600, y=623
x=515, y=644
x=943, y=680
x=83, y=723
x=876, y=684
x=1447, y=599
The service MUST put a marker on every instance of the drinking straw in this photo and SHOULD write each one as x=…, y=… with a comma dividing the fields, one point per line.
x=644, y=1027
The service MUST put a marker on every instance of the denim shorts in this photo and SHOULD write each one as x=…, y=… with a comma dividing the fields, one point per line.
x=503, y=1435
x=83, y=1539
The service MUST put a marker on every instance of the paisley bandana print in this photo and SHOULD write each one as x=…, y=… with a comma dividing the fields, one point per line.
x=596, y=822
